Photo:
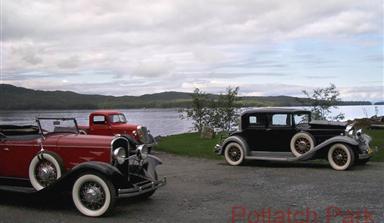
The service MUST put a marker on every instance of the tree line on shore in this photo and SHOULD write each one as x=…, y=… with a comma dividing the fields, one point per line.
x=13, y=98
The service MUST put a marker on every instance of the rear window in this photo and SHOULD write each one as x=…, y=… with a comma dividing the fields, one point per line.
x=99, y=119
x=255, y=120
x=118, y=118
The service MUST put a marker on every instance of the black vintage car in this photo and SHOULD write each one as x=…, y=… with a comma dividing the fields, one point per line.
x=278, y=134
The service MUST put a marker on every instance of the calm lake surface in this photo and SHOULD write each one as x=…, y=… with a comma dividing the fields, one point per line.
x=159, y=121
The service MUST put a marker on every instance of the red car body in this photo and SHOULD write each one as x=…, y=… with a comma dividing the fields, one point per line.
x=108, y=122
x=98, y=169
x=16, y=155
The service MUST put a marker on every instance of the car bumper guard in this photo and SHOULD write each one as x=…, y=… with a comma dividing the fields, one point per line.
x=141, y=188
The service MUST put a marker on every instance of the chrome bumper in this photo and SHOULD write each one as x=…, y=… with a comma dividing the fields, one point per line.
x=141, y=188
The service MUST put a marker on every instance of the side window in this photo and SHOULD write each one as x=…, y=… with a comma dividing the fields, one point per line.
x=280, y=120
x=255, y=120
x=252, y=120
x=99, y=119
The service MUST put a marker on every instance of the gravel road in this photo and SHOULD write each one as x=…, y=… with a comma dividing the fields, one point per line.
x=201, y=190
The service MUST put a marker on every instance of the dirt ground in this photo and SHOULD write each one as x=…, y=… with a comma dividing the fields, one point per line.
x=200, y=190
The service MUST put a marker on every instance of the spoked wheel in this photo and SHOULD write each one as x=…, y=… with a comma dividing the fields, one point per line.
x=44, y=170
x=301, y=143
x=340, y=157
x=93, y=195
x=234, y=154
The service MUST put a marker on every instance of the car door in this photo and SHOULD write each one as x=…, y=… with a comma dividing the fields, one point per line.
x=3, y=149
x=16, y=154
x=100, y=125
x=279, y=132
x=254, y=131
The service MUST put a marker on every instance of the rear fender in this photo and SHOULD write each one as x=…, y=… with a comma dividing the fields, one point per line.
x=236, y=139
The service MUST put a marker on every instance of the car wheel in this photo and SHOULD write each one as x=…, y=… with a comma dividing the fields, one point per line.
x=234, y=154
x=93, y=195
x=44, y=169
x=340, y=157
x=301, y=143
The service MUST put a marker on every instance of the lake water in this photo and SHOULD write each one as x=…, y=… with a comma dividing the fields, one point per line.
x=159, y=121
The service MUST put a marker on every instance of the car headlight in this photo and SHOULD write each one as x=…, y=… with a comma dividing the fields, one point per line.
x=349, y=130
x=120, y=155
x=141, y=150
x=359, y=132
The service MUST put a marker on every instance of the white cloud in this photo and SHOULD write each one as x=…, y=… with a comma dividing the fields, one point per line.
x=170, y=44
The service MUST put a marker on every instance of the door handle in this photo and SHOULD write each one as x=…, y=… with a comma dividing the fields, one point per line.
x=268, y=129
x=6, y=149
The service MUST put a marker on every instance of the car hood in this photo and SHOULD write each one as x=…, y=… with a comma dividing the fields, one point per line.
x=125, y=126
x=79, y=140
x=327, y=124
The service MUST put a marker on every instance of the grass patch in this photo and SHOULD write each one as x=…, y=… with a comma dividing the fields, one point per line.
x=377, y=141
x=189, y=144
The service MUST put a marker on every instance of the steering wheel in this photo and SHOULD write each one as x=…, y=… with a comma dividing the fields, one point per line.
x=44, y=131
x=302, y=121
x=82, y=132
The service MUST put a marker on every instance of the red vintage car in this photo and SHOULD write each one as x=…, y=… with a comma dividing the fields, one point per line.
x=108, y=122
x=53, y=155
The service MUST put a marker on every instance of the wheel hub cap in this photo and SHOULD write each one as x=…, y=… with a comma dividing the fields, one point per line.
x=92, y=195
x=46, y=173
x=302, y=145
x=340, y=157
x=234, y=154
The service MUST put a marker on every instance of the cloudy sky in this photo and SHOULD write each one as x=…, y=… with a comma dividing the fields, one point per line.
x=134, y=47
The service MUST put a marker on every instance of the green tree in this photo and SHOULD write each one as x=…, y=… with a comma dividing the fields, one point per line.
x=200, y=110
x=224, y=115
x=220, y=113
x=322, y=101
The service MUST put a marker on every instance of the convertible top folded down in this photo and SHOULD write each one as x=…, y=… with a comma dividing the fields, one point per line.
x=11, y=130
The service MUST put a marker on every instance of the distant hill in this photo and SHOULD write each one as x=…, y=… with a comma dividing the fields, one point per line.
x=379, y=103
x=12, y=98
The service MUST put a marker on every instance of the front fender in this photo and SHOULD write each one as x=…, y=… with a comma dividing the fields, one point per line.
x=327, y=143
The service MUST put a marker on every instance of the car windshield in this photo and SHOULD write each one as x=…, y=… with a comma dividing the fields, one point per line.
x=53, y=125
x=117, y=118
x=302, y=118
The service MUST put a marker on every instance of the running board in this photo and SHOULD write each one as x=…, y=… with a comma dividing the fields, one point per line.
x=17, y=189
x=271, y=156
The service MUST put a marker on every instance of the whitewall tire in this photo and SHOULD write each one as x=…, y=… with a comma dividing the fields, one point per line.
x=340, y=157
x=93, y=195
x=44, y=169
x=301, y=143
x=234, y=154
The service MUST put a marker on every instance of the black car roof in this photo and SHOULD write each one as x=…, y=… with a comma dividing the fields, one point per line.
x=275, y=110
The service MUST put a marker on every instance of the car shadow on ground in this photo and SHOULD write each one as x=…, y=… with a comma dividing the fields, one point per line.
x=61, y=202
x=46, y=202
x=315, y=164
